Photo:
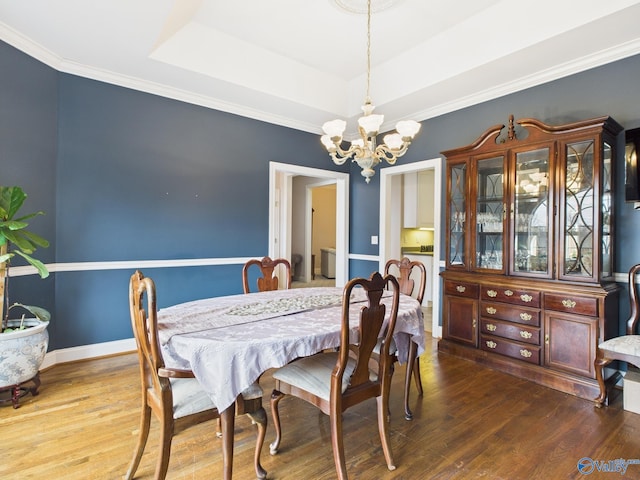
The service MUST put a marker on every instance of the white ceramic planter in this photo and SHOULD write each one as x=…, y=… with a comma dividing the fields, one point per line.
x=22, y=352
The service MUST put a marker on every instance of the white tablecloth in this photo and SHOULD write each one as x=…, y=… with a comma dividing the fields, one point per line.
x=230, y=341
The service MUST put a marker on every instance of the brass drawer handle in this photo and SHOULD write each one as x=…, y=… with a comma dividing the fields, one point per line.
x=567, y=303
x=491, y=310
x=525, y=353
x=525, y=334
x=508, y=293
x=461, y=288
x=492, y=293
x=526, y=298
x=546, y=339
x=491, y=344
x=526, y=316
x=491, y=327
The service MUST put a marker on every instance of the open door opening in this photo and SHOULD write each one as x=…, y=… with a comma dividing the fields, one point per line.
x=392, y=209
x=291, y=191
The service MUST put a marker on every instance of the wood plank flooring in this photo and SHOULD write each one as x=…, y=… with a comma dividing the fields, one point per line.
x=471, y=423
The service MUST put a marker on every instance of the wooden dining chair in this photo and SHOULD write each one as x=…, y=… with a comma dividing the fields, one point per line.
x=404, y=268
x=174, y=396
x=268, y=281
x=333, y=381
x=625, y=348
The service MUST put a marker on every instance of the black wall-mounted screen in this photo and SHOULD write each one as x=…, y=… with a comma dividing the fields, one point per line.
x=632, y=176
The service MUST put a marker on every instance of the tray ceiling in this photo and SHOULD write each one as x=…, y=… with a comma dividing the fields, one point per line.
x=299, y=63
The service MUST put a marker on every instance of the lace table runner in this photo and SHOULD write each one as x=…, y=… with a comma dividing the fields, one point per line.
x=223, y=312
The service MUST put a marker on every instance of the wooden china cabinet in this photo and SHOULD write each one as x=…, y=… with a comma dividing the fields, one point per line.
x=529, y=284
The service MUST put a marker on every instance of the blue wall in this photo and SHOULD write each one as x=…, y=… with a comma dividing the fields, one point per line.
x=28, y=152
x=126, y=175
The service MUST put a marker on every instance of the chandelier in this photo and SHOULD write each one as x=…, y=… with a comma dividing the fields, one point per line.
x=365, y=151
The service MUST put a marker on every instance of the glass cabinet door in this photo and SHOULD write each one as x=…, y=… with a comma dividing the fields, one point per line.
x=606, y=267
x=576, y=259
x=530, y=217
x=457, y=215
x=489, y=210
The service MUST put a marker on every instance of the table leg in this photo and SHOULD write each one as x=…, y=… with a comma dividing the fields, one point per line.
x=227, y=420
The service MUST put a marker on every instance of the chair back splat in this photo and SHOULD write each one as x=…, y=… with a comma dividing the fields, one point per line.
x=268, y=281
x=405, y=267
x=634, y=316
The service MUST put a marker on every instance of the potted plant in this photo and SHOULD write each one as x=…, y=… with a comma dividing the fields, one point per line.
x=23, y=341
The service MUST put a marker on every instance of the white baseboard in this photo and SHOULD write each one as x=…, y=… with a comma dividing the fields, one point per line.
x=85, y=352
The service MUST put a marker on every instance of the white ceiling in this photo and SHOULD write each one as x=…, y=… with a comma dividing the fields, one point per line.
x=300, y=63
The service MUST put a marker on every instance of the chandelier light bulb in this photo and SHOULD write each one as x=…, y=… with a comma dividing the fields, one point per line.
x=334, y=128
x=328, y=143
x=371, y=124
x=408, y=128
x=393, y=141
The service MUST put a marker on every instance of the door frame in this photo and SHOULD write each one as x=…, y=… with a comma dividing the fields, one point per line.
x=388, y=236
x=280, y=208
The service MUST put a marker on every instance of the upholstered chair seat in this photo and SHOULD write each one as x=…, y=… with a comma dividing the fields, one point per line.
x=189, y=398
x=313, y=374
x=626, y=345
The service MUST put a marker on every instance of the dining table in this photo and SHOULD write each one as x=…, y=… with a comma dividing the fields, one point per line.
x=230, y=341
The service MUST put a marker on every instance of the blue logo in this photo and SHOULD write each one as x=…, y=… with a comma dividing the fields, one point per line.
x=587, y=465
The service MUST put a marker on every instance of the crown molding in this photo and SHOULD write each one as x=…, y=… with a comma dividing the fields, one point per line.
x=560, y=71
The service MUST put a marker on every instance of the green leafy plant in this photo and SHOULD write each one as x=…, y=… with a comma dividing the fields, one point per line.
x=15, y=239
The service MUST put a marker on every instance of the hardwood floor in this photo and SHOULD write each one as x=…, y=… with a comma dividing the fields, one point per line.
x=471, y=423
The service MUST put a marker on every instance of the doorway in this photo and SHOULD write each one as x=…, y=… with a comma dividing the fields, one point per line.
x=281, y=200
x=391, y=223
x=322, y=236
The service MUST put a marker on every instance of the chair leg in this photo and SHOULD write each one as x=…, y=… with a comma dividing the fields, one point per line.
x=412, y=358
x=259, y=417
x=276, y=396
x=383, y=405
x=145, y=422
x=416, y=376
x=166, y=435
x=337, y=443
x=599, y=365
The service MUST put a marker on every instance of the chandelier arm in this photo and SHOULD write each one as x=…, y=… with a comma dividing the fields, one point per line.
x=340, y=156
x=384, y=152
x=338, y=160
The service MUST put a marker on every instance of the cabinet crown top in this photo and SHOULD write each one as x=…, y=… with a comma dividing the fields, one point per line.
x=536, y=130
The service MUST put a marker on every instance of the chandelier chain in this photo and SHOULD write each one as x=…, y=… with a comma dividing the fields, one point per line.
x=368, y=98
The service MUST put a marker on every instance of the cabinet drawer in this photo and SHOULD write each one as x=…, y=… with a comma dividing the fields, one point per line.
x=503, y=311
x=571, y=303
x=513, y=331
x=528, y=298
x=527, y=353
x=461, y=289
